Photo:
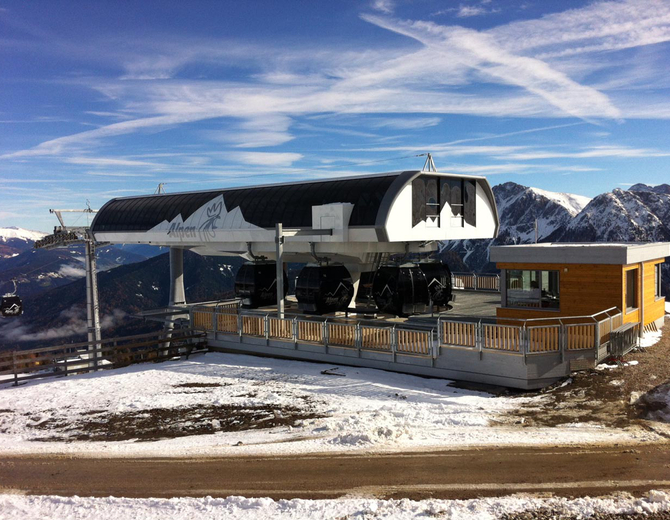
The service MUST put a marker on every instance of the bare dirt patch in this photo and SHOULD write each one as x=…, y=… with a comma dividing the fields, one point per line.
x=548, y=514
x=169, y=423
x=629, y=394
x=200, y=385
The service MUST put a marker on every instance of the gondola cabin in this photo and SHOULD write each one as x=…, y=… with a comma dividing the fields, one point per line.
x=438, y=277
x=401, y=290
x=11, y=306
x=256, y=284
x=321, y=289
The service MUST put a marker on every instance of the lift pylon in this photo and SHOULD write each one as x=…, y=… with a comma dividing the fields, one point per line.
x=67, y=235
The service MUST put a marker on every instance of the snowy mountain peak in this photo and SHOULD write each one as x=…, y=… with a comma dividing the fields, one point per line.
x=7, y=233
x=573, y=203
x=660, y=188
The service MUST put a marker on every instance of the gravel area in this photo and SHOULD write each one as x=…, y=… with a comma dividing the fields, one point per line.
x=629, y=394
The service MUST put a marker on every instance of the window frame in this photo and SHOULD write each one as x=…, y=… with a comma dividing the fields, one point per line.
x=634, y=275
x=538, y=278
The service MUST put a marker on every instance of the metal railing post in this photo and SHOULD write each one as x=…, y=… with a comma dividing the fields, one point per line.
x=563, y=340
x=358, y=337
x=474, y=281
x=394, y=342
x=295, y=332
x=324, y=334
x=266, y=325
x=16, y=373
x=479, y=339
x=239, y=325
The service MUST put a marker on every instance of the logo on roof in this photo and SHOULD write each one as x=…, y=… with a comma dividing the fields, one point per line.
x=204, y=223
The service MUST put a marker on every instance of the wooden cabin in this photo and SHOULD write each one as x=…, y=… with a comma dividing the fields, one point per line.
x=553, y=280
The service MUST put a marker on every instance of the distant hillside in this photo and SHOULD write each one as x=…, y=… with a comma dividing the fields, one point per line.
x=58, y=315
x=40, y=270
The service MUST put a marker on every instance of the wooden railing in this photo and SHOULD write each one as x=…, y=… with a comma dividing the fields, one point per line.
x=544, y=339
x=21, y=365
x=521, y=337
x=501, y=337
x=387, y=337
x=475, y=282
x=342, y=334
x=459, y=334
x=532, y=336
x=376, y=338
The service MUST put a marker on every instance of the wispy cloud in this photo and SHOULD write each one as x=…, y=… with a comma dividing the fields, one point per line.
x=512, y=71
x=482, y=53
x=467, y=11
x=105, y=161
x=264, y=158
x=590, y=153
x=124, y=175
x=384, y=6
x=600, y=26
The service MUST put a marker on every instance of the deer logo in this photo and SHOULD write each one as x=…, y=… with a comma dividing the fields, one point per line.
x=209, y=225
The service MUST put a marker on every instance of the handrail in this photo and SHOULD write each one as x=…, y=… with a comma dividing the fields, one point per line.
x=560, y=319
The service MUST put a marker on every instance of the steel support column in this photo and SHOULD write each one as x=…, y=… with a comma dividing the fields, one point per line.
x=92, y=303
x=279, y=240
x=177, y=293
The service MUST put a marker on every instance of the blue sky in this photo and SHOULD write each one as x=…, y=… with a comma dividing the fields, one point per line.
x=110, y=98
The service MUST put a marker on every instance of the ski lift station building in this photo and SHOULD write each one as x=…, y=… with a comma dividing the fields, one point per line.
x=361, y=224
x=348, y=220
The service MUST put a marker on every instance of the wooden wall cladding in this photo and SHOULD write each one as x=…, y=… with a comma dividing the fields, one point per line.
x=653, y=308
x=589, y=288
x=584, y=289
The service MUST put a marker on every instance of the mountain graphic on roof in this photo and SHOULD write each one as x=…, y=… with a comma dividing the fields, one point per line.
x=204, y=222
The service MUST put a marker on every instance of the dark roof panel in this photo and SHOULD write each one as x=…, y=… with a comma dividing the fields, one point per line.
x=263, y=206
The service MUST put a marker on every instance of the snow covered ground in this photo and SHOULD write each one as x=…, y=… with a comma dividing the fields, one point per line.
x=110, y=508
x=366, y=409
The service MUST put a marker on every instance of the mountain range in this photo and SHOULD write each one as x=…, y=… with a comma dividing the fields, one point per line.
x=639, y=214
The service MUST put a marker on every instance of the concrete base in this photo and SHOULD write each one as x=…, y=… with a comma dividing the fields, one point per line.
x=490, y=367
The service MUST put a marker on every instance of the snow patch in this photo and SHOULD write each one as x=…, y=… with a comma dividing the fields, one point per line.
x=34, y=507
x=573, y=203
x=368, y=410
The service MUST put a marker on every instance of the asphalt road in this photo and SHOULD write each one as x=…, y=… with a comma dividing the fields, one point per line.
x=447, y=474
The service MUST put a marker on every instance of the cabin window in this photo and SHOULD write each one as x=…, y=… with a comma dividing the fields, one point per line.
x=657, y=281
x=461, y=197
x=631, y=289
x=430, y=195
x=532, y=289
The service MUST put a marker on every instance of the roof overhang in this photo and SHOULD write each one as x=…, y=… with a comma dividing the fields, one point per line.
x=580, y=253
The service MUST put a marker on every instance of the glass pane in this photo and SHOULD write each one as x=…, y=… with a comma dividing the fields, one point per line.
x=550, y=294
x=523, y=289
x=456, y=197
x=631, y=289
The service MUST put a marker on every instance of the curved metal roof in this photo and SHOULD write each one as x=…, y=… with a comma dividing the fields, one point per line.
x=263, y=206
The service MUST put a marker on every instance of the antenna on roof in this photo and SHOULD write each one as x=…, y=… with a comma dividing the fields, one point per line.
x=160, y=190
x=429, y=165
